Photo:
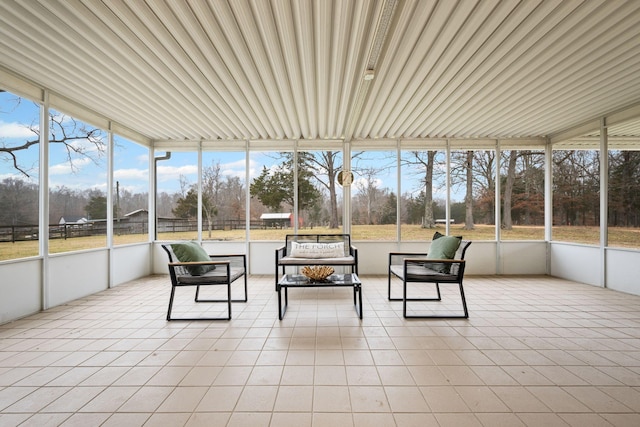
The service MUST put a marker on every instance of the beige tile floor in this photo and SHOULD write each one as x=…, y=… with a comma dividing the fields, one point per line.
x=536, y=351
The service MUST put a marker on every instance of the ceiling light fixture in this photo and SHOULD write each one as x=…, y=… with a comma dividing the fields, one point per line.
x=369, y=75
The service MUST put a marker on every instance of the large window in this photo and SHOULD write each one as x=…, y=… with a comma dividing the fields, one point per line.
x=522, y=194
x=473, y=189
x=131, y=192
x=374, y=212
x=77, y=184
x=223, y=195
x=272, y=194
x=319, y=194
x=313, y=198
x=177, y=195
x=624, y=198
x=576, y=196
x=423, y=199
x=19, y=176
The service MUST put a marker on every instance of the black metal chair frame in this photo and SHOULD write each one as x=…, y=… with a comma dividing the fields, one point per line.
x=177, y=270
x=416, y=270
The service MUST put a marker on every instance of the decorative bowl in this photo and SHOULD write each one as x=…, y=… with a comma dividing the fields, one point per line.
x=318, y=272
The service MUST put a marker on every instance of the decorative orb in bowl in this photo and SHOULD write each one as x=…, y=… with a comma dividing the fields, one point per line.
x=318, y=272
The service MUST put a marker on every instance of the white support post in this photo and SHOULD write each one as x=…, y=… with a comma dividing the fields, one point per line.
x=43, y=210
x=346, y=190
x=295, y=187
x=447, y=205
x=399, y=192
x=604, y=199
x=548, y=200
x=110, y=213
x=151, y=203
x=199, y=213
x=247, y=196
x=497, y=210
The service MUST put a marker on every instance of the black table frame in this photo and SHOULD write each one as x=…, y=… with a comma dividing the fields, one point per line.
x=300, y=281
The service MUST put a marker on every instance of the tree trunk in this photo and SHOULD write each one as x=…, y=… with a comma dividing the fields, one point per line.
x=429, y=221
x=208, y=215
x=333, y=199
x=507, y=221
x=333, y=202
x=468, y=198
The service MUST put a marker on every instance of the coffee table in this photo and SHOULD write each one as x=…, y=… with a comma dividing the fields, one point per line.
x=300, y=281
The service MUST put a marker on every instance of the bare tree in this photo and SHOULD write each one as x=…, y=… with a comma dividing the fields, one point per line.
x=19, y=201
x=425, y=163
x=368, y=192
x=325, y=166
x=507, y=221
x=523, y=187
x=232, y=203
x=62, y=130
x=211, y=187
x=468, y=198
x=576, y=185
x=484, y=185
x=80, y=142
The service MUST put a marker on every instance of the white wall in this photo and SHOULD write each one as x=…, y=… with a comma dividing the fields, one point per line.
x=70, y=276
x=584, y=264
x=623, y=270
x=131, y=262
x=528, y=257
x=77, y=274
x=262, y=257
x=20, y=288
x=373, y=257
x=580, y=263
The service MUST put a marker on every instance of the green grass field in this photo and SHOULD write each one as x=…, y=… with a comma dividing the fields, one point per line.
x=618, y=237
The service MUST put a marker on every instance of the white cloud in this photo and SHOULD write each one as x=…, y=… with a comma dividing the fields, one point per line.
x=65, y=168
x=15, y=130
x=172, y=173
x=233, y=168
x=135, y=189
x=131, y=174
x=18, y=176
x=253, y=168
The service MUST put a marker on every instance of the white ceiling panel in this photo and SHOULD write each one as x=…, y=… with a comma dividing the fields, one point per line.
x=230, y=70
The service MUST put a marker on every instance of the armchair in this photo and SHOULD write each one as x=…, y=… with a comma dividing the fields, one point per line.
x=218, y=270
x=416, y=268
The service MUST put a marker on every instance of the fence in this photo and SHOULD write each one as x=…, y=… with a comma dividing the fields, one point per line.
x=19, y=233
x=22, y=233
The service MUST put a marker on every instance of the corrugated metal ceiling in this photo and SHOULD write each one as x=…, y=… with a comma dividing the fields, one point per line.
x=295, y=69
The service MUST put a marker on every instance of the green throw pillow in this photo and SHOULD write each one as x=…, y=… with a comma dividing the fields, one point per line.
x=443, y=247
x=192, y=252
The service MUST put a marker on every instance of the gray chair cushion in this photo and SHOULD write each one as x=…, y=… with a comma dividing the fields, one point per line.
x=417, y=273
x=217, y=276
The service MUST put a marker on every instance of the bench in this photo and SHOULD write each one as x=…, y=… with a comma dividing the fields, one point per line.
x=316, y=249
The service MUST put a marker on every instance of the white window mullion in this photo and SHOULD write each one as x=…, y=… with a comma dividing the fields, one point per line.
x=44, y=199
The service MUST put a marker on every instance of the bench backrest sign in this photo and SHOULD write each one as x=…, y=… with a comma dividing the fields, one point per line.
x=317, y=250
